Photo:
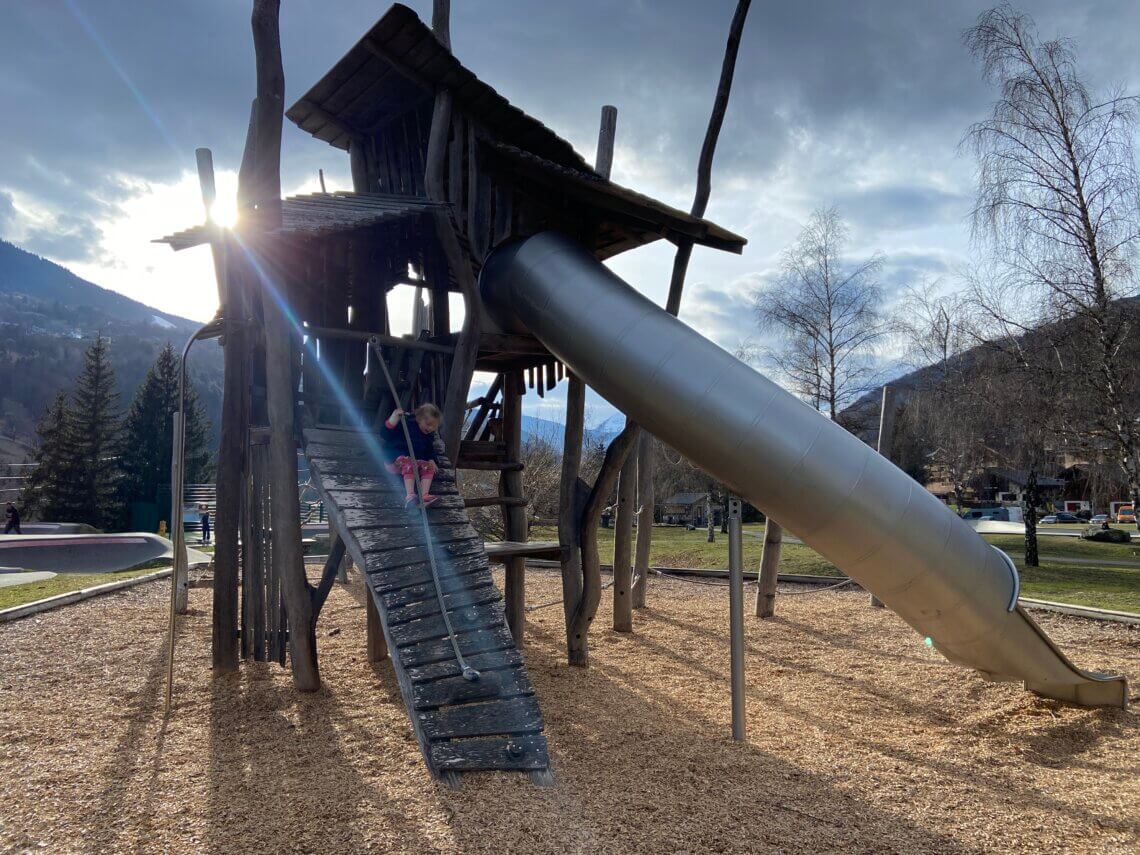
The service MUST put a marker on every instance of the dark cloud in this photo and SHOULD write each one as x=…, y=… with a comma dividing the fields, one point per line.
x=66, y=239
x=856, y=104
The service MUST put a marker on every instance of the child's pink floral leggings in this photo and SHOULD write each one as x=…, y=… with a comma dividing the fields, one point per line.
x=406, y=466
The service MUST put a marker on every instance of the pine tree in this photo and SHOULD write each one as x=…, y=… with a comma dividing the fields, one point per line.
x=43, y=494
x=90, y=491
x=148, y=433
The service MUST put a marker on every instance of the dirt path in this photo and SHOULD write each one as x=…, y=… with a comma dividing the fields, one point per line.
x=860, y=740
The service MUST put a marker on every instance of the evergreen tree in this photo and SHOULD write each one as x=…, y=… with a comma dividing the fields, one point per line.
x=43, y=494
x=148, y=433
x=90, y=492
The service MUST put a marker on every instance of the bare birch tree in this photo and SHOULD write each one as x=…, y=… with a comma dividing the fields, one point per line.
x=826, y=310
x=1056, y=208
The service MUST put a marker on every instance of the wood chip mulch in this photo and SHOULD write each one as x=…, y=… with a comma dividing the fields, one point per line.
x=860, y=739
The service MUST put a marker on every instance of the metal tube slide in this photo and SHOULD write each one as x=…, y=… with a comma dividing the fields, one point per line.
x=835, y=492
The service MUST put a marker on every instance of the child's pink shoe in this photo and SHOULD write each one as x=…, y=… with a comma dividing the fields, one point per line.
x=409, y=500
x=429, y=499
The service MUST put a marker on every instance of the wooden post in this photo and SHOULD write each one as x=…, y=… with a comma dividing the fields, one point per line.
x=887, y=409
x=281, y=350
x=230, y=484
x=377, y=645
x=607, y=131
x=769, y=568
x=645, y=502
x=514, y=516
x=623, y=535
x=467, y=342
x=569, y=520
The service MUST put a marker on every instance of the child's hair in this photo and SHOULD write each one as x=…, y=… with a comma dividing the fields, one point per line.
x=430, y=411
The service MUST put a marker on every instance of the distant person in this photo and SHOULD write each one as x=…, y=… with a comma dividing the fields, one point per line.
x=12, y=517
x=204, y=519
x=421, y=426
x=1104, y=525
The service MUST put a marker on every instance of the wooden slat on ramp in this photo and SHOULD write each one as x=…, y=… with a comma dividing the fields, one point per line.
x=462, y=726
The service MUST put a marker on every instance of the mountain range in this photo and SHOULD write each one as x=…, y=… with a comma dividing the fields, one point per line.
x=47, y=320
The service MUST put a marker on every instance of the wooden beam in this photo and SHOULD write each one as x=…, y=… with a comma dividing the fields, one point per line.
x=377, y=646
x=281, y=351
x=514, y=516
x=569, y=519
x=708, y=149
x=329, y=574
x=604, y=161
x=623, y=535
x=645, y=503
x=769, y=568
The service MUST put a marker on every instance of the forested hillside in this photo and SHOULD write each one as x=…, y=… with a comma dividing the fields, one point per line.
x=47, y=317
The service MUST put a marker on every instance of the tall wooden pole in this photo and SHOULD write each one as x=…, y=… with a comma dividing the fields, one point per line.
x=708, y=149
x=514, y=516
x=581, y=582
x=887, y=409
x=467, y=342
x=645, y=502
x=569, y=521
x=623, y=535
x=281, y=348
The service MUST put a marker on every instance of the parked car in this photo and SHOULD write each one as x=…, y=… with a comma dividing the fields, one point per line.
x=1098, y=519
x=1060, y=517
x=1126, y=514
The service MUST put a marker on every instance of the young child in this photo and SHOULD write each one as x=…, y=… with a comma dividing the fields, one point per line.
x=421, y=428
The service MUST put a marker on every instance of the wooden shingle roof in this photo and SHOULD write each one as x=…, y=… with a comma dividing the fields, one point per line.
x=643, y=218
x=397, y=65
x=315, y=214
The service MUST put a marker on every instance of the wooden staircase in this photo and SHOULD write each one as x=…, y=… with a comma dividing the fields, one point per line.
x=461, y=726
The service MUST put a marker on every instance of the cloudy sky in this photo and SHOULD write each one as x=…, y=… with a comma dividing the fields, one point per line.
x=860, y=105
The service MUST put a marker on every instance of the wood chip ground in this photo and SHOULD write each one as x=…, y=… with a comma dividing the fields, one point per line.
x=860, y=739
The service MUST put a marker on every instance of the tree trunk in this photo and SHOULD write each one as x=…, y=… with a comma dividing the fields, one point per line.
x=709, y=517
x=1030, y=513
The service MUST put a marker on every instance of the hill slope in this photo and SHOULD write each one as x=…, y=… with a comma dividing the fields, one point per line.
x=49, y=316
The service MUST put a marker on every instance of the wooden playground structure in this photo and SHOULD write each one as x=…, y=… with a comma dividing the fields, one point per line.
x=444, y=171
x=457, y=192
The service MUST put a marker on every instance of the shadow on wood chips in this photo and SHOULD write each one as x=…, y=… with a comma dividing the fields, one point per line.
x=859, y=740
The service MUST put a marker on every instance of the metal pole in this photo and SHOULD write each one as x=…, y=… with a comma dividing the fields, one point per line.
x=179, y=590
x=736, y=614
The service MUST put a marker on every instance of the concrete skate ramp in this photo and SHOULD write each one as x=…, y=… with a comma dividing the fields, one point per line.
x=848, y=503
x=87, y=553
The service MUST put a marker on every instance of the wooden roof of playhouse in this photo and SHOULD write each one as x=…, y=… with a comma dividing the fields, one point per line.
x=380, y=96
x=394, y=71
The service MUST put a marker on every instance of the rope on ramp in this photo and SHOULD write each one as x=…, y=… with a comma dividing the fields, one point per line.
x=469, y=673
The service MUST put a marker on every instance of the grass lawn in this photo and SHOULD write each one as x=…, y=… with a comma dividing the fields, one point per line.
x=1103, y=587
x=18, y=595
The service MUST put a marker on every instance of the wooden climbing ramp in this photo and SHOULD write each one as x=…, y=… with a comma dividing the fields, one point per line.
x=462, y=726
